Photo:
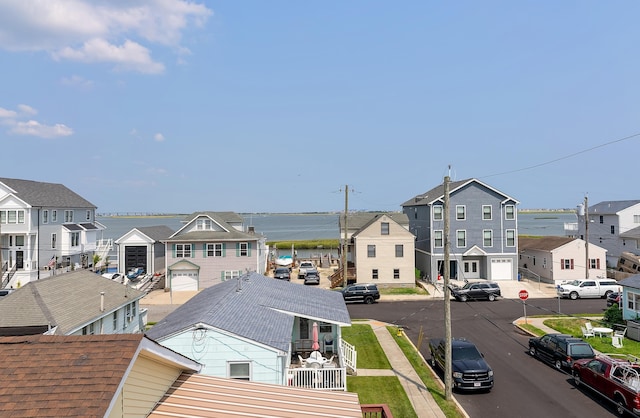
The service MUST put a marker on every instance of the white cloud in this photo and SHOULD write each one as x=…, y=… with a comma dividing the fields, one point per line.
x=131, y=56
x=158, y=137
x=7, y=114
x=35, y=128
x=91, y=30
x=27, y=110
x=77, y=81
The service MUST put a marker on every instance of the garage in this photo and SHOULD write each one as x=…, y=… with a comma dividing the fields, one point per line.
x=501, y=269
x=135, y=256
x=182, y=280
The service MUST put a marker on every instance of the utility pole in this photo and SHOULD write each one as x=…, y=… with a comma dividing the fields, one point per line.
x=586, y=234
x=344, y=241
x=448, y=380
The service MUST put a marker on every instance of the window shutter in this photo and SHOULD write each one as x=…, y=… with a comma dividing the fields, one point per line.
x=572, y=264
x=597, y=263
x=249, y=249
x=174, y=250
x=562, y=264
x=193, y=250
x=204, y=250
x=237, y=249
x=224, y=249
x=222, y=275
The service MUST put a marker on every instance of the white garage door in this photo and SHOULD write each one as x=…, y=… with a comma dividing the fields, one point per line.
x=501, y=269
x=184, y=280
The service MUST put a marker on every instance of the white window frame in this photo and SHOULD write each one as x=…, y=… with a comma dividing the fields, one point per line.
x=384, y=228
x=68, y=216
x=231, y=274
x=461, y=234
x=399, y=250
x=183, y=250
x=230, y=364
x=633, y=302
x=204, y=224
x=438, y=237
x=243, y=249
x=437, y=212
x=490, y=213
x=371, y=251
x=509, y=212
x=45, y=216
x=88, y=216
x=214, y=249
x=54, y=216
x=485, y=238
x=461, y=212
x=54, y=240
x=74, y=238
x=510, y=236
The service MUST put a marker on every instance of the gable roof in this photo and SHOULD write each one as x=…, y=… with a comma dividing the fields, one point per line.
x=437, y=193
x=633, y=281
x=255, y=307
x=222, y=219
x=67, y=301
x=359, y=220
x=542, y=243
x=611, y=207
x=395, y=219
x=219, y=397
x=37, y=193
x=156, y=233
x=72, y=376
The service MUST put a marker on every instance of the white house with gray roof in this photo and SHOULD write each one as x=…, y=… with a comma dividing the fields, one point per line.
x=613, y=225
x=143, y=247
x=210, y=248
x=252, y=328
x=80, y=302
x=43, y=226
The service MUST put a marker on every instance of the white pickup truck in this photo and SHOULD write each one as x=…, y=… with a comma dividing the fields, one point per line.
x=588, y=288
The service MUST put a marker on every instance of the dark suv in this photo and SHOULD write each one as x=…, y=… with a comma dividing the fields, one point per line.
x=561, y=350
x=367, y=293
x=476, y=291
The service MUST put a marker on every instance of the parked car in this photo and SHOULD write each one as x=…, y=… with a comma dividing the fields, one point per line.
x=5, y=292
x=469, y=368
x=367, y=293
x=614, y=298
x=476, y=291
x=306, y=266
x=312, y=277
x=561, y=350
x=282, y=273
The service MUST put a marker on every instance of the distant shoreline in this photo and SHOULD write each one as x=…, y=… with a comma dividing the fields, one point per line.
x=166, y=215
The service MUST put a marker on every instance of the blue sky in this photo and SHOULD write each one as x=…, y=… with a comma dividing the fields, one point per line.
x=256, y=106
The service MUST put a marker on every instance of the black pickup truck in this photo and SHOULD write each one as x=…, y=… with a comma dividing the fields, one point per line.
x=470, y=370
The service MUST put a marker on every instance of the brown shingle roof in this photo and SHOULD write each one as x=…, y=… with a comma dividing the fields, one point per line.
x=63, y=376
x=543, y=243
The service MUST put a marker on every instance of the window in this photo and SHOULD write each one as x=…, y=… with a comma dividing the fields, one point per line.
x=89, y=329
x=601, y=219
x=384, y=228
x=75, y=239
x=54, y=216
x=183, y=250
x=45, y=216
x=636, y=219
x=371, y=251
x=487, y=238
x=511, y=237
x=68, y=216
x=204, y=224
x=633, y=302
x=115, y=320
x=88, y=215
x=12, y=216
x=214, y=250
x=19, y=240
x=54, y=239
x=461, y=212
x=509, y=212
x=374, y=274
x=399, y=250
x=238, y=370
x=613, y=229
x=566, y=264
x=243, y=249
x=396, y=273
x=437, y=213
x=461, y=238
x=230, y=274
x=438, y=240
x=594, y=263
x=486, y=212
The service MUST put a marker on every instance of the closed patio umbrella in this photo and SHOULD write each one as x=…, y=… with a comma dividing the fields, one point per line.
x=316, y=345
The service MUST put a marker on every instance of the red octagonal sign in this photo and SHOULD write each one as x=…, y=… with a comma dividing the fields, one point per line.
x=523, y=294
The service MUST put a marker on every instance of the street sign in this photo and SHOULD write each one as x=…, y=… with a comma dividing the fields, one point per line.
x=523, y=294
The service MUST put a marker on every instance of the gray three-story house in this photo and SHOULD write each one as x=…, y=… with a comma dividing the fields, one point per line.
x=483, y=231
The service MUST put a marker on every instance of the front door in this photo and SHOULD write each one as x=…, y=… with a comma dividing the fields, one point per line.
x=19, y=259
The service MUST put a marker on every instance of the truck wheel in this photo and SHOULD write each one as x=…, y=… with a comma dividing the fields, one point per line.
x=368, y=300
x=463, y=298
x=433, y=360
x=621, y=406
x=607, y=293
x=558, y=364
x=532, y=351
x=492, y=297
x=573, y=295
x=576, y=379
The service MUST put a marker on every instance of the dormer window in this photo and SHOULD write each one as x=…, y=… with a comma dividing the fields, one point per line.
x=204, y=224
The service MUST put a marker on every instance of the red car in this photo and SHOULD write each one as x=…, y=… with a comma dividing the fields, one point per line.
x=617, y=380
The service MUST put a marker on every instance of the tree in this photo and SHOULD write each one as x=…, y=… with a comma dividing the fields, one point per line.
x=96, y=260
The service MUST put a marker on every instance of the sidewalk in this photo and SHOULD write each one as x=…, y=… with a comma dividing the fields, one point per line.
x=423, y=403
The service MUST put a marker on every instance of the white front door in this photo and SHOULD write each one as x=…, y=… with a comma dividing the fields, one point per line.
x=470, y=270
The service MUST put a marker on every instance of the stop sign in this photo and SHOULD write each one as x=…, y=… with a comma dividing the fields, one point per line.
x=523, y=294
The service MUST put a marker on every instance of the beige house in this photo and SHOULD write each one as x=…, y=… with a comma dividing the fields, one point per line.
x=556, y=259
x=383, y=250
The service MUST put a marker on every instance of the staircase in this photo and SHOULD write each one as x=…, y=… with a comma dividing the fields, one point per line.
x=337, y=278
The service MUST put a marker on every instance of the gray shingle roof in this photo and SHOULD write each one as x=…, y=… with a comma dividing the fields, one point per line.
x=255, y=307
x=156, y=233
x=611, y=206
x=37, y=193
x=543, y=243
x=359, y=220
x=222, y=219
x=67, y=301
x=633, y=281
x=437, y=193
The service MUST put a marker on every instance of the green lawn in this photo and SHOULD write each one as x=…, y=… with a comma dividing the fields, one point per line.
x=572, y=325
x=382, y=389
x=370, y=354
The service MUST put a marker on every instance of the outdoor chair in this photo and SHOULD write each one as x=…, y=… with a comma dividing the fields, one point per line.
x=588, y=326
x=586, y=333
x=620, y=332
x=616, y=341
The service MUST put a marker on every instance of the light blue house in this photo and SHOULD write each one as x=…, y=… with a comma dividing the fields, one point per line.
x=483, y=231
x=262, y=329
x=630, y=302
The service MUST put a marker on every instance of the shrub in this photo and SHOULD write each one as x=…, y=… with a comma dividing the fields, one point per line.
x=613, y=315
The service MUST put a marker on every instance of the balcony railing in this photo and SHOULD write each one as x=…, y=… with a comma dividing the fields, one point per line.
x=330, y=378
x=376, y=411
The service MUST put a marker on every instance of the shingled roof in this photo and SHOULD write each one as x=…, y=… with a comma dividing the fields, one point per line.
x=256, y=307
x=67, y=301
x=63, y=376
x=37, y=193
x=437, y=193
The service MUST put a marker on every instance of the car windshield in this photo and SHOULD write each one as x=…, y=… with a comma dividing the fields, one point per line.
x=465, y=353
x=581, y=350
x=573, y=283
x=282, y=271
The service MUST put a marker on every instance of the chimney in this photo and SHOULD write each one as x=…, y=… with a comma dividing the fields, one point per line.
x=101, y=301
x=252, y=230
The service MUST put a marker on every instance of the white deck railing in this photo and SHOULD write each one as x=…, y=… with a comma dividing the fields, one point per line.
x=349, y=355
x=330, y=378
